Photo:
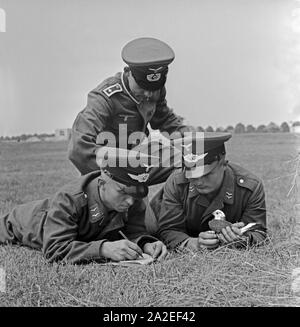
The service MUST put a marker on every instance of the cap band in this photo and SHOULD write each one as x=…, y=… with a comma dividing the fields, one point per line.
x=200, y=171
x=212, y=155
x=150, y=78
x=138, y=190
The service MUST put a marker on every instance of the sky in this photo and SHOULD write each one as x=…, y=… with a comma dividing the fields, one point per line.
x=235, y=60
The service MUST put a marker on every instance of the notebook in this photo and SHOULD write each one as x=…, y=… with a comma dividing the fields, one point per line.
x=147, y=260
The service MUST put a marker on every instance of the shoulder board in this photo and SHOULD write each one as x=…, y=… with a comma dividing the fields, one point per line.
x=246, y=181
x=112, y=89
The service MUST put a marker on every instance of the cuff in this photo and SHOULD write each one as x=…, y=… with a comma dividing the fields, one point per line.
x=100, y=247
x=142, y=240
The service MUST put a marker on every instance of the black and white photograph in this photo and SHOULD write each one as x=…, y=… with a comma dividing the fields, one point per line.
x=149, y=156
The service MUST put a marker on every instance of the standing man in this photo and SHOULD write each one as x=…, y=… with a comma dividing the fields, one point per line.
x=209, y=185
x=126, y=103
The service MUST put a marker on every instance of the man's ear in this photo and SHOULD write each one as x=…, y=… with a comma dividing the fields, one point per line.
x=222, y=160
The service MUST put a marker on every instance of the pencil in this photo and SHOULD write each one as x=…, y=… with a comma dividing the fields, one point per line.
x=126, y=238
x=123, y=235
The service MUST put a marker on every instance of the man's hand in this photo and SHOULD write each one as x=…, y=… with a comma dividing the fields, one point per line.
x=120, y=250
x=231, y=234
x=156, y=249
x=208, y=239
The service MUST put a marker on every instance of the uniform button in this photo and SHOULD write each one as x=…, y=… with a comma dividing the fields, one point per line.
x=241, y=181
x=85, y=195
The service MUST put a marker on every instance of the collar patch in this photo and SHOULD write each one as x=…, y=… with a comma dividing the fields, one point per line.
x=228, y=195
x=95, y=214
x=112, y=89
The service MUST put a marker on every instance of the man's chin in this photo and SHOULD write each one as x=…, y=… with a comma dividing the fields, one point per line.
x=204, y=190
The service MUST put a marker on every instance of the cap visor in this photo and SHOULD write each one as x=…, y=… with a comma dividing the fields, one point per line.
x=200, y=171
x=138, y=192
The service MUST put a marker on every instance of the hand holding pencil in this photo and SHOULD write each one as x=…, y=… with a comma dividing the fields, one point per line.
x=121, y=250
x=126, y=238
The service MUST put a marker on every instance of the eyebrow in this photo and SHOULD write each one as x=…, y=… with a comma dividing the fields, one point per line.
x=119, y=186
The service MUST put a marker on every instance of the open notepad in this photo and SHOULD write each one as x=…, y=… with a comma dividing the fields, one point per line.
x=147, y=260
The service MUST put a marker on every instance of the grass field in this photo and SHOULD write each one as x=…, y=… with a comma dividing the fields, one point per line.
x=223, y=277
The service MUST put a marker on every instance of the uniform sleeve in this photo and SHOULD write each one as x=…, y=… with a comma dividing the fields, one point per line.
x=136, y=227
x=61, y=232
x=87, y=125
x=255, y=212
x=165, y=119
x=171, y=221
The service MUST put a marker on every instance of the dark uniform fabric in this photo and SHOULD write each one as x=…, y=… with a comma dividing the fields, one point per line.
x=185, y=213
x=73, y=224
x=108, y=106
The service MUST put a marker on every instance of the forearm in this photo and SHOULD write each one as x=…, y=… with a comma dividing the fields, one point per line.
x=172, y=238
x=72, y=252
x=81, y=152
x=86, y=129
x=165, y=119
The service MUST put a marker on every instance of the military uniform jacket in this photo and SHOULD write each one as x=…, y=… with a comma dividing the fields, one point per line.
x=109, y=105
x=74, y=223
x=185, y=213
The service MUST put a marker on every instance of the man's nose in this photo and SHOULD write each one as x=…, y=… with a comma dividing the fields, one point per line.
x=130, y=200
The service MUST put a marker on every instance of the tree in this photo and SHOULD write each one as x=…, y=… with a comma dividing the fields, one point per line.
x=23, y=137
x=199, y=129
x=284, y=127
x=239, y=128
x=273, y=128
x=229, y=129
x=209, y=129
x=261, y=129
x=220, y=129
x=250, y=129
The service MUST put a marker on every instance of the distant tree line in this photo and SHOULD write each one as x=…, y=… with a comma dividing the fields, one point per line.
x=25, y=137
x=238, y=128
x=241, y=128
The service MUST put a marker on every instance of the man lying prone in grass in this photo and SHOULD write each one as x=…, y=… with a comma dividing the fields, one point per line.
x=83, y=220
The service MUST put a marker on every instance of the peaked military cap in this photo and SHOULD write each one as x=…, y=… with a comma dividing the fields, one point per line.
x=148, y=60
x=202, y=152
x=128, y=167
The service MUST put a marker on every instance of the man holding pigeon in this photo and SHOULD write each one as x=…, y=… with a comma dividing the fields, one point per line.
x=210, y=202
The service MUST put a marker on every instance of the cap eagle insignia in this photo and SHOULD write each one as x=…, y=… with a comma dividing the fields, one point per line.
x=194, y=158
x=142, y=178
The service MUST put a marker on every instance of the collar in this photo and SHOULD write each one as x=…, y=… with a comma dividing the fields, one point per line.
x=180, y=178
x=227, y=189
x=124, y=81
x=226, y=193
x=95, y=203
